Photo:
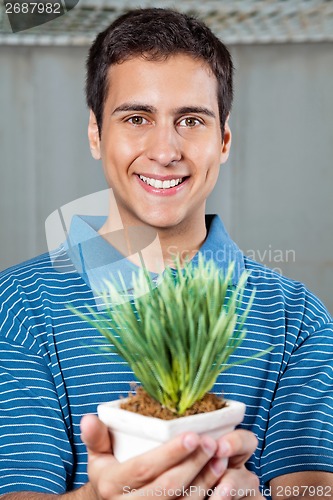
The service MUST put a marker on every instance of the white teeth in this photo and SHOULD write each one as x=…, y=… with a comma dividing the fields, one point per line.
x=156, y=183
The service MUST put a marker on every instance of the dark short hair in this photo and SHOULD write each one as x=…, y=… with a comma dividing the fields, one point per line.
x=156, y=34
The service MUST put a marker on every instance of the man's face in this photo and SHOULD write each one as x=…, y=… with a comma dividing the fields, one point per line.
x=161, y=142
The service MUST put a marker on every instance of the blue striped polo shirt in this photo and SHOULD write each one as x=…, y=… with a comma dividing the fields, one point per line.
x=52, y=372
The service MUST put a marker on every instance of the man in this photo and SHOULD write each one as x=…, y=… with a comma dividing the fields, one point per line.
x=159, y=87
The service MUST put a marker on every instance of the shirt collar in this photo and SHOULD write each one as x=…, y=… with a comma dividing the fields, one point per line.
x=94, y=258
x=97, y=261
x=219, y=247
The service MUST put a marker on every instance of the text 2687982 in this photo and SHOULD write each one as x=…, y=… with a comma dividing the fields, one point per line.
x=33, y=8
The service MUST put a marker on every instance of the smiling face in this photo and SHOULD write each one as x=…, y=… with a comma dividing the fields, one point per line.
x=161, y=142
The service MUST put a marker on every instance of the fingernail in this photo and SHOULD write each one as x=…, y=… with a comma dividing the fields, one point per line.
x=209, y=445
x=191, y=442
x=219, y=465
x=223, y=448
x=223, y=490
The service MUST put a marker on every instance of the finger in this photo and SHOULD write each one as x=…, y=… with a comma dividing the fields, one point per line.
x=237, y=484
x=184, y=473
x=151, y=465
x=167, y=467
x=95, y=435
x=238, y=446
x=204, y=483
x=139, y=471
x=97, y=439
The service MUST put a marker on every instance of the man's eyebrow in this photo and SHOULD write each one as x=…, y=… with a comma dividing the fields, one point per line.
x=134, y=106
x=200, y=110
x=184, y=110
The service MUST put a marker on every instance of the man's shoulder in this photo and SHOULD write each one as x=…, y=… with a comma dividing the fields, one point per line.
x=26, y=265
x=293, y=296
x=266, y=276
x=47, y=268
x=36, y=293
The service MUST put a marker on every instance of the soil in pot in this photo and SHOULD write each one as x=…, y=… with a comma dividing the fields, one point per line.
x=141, y=402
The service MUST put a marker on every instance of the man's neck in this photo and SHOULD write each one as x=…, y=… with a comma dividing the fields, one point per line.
x=183, y=242
x=164, y=245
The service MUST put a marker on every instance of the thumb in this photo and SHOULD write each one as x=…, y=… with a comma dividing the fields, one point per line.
x=95, y=435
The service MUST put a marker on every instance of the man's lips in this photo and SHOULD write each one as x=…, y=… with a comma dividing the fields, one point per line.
x=169, y=184
x=161, y=183
x=162, y=177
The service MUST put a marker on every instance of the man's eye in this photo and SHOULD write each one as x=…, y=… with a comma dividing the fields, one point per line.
x=137, y=120
x=189, y=122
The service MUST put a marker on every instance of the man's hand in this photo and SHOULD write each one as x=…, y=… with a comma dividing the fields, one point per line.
x=171, y=468
x=189, y=465
x=237, y=482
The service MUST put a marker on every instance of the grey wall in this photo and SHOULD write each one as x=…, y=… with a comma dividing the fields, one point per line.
x=275, y=193
x=278, y=185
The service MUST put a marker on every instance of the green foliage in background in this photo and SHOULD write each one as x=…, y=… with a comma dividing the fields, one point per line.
x=177, y=337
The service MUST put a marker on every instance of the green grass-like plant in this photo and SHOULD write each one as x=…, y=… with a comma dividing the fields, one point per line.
x=178, y=336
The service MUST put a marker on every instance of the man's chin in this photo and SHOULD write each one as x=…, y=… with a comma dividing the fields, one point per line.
x=163, y=223
x=160, y=220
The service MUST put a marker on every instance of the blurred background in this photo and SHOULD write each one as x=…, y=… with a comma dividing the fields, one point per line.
x=275, y=192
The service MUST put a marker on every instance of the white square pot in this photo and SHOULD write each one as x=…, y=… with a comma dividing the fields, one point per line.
x=133, y=434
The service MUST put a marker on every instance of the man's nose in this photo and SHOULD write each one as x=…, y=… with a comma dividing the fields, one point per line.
x=163, y=145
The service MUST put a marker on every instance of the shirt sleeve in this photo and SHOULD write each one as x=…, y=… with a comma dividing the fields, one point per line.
x=299, y=435
x=35, y=449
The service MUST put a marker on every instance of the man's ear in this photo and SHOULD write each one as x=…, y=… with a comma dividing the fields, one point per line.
x=93, y=136
x=226, y=142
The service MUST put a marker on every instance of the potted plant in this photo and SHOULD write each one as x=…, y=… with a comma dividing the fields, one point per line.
x=176, y=337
